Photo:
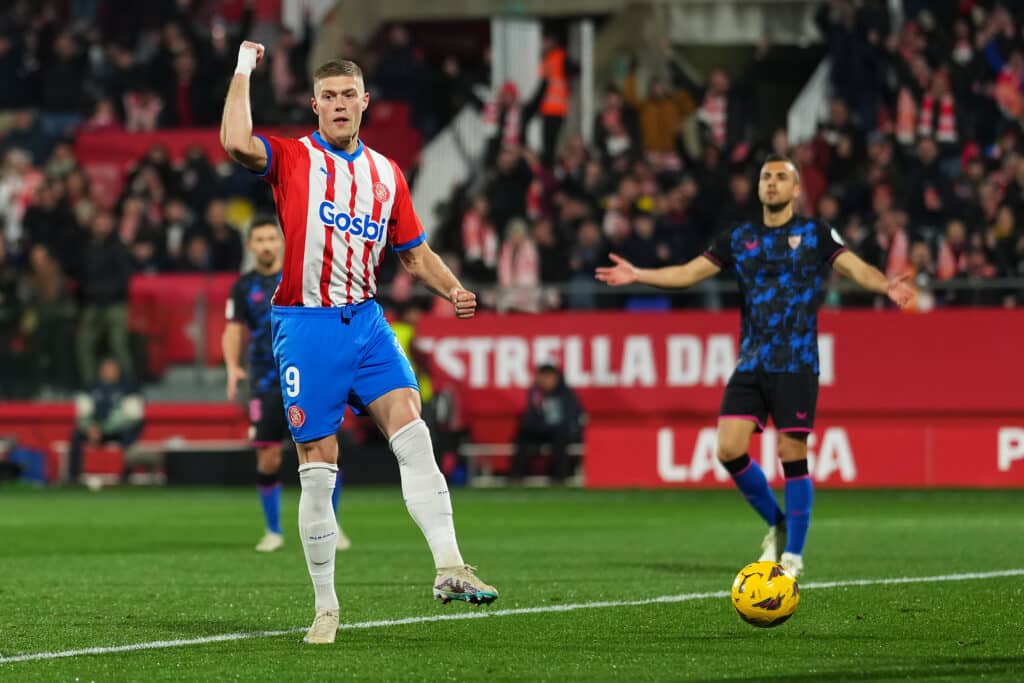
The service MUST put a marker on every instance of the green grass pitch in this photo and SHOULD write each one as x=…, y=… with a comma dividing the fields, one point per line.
x=122, y=567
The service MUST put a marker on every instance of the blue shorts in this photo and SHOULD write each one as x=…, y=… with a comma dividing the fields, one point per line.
x=332, y=357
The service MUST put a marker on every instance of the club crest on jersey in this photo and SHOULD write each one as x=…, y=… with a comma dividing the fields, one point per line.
x=381, y=192
x=794, y=241
x=357, y=226
x=296, y=416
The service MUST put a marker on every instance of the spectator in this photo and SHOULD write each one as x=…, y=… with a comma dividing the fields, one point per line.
x=197, y=179
x=507, y=187
x=506, y=119
x=927, y=188
x=190, y=104
x=553, y=418
x=953, y=252
x=686, y=236
x=644, y=246
x=661, y=112
x=48, y=323
x=288, y=72
x=111, y=410
x=923, y=267
x=67, y=67
x=197, y=256
x=724, y=106
x=938, y=117
x=743, y=204
x=177, y=224
x=519, y=270
x=550, y=251
x=10, y=315
x=106, y=269
x=398, y=67
x=224, y=241
x=556, y=70
x=585, y=256
x=615, y=128
x=146, y=257
x=49, y=222
x=143, y=109
x=1008, y=92
x=1001, y=241
x=104, y=118
x=479, y=243
x=27, y=134
x=969, y=286
x=11, y=77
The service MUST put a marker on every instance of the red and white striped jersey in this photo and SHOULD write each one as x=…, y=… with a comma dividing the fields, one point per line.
x=338, y=211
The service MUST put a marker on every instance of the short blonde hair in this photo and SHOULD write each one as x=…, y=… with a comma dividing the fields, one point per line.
x=337, y=67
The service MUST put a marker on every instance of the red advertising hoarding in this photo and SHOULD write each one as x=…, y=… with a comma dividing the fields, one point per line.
x=880, y=363
x=931, y=399
x=856, y=452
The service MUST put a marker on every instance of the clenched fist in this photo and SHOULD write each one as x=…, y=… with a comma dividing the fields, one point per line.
x=249, y=55
x=464, y=301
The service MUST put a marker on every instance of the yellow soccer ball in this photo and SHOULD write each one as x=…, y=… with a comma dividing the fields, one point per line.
x=765, y=594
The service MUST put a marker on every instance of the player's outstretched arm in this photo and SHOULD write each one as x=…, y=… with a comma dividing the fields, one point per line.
x=669, y=277
x=872, y=279
x=425, y=265
x=236, y=123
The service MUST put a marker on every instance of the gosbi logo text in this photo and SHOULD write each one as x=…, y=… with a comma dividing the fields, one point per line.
x=357, y=226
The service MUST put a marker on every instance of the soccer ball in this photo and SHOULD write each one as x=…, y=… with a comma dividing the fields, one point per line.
x=765, y=594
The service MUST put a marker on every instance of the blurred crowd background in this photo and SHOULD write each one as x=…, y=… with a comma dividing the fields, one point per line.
x=917, y=162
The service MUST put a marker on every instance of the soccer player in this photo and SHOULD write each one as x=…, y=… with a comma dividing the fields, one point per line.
x=780, y=262
x=249, y=307
x=340, y=203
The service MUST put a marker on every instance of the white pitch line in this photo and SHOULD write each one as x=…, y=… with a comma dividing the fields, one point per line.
x=383, y=623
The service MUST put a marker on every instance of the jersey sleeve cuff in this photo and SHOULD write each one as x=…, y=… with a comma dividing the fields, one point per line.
x=834, y=256
x=714, y=259
x=405, y=246
x=270, y=156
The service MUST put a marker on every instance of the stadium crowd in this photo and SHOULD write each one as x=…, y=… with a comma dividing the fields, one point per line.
x=920, y=163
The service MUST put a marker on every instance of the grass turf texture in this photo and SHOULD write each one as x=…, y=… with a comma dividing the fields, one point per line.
x=79, y=570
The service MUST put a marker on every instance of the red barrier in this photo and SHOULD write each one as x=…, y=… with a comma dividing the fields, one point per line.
x=40, y=425
x=173, y=311
x=905, y=400
x=876, y=363
x=852, y=452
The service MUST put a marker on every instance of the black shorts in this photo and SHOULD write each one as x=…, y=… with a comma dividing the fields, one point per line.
x=790, y=398
x=267, y=419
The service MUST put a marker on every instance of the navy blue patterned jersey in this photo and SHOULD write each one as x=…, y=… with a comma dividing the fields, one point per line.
x=780, y=272
x=249, y=304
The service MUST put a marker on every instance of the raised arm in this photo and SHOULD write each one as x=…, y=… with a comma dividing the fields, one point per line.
x=851, y=266
x=426, y=266
x=236, y=123
x=669, y=277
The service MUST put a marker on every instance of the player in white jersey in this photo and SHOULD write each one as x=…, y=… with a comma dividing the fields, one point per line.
x=340, y=203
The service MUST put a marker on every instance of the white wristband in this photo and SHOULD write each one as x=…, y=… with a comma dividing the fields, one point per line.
x=246, y=60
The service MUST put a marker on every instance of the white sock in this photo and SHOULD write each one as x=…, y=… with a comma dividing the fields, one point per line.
x=426, y=492
x=319, y=529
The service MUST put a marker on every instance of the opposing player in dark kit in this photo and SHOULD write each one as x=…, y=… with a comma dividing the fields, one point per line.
x=781, y=263
x=248, y=307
